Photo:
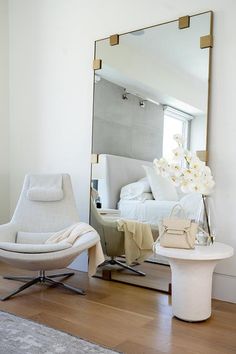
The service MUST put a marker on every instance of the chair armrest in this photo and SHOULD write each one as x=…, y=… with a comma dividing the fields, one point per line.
x=8, y=232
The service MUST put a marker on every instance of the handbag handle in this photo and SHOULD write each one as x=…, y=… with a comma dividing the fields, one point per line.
x=180, y=207
x=160, y=234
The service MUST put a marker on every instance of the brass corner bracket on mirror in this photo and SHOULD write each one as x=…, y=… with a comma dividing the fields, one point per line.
x=97, y=64
x=202, y=155
x=94, y=158
x=114, y=39
x=184, y=22
x=206, y=41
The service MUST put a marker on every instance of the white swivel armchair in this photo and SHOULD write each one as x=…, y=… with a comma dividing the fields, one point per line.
x=46, y=205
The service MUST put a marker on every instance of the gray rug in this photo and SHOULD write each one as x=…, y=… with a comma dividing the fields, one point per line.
x=18, y=336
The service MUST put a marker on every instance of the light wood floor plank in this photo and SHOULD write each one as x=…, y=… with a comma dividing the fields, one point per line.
x=123, y=317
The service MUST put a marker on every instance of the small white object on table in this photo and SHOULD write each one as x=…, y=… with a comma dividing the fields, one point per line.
x=192, y=272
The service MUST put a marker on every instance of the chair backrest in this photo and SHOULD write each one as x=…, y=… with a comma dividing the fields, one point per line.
x=45, y=216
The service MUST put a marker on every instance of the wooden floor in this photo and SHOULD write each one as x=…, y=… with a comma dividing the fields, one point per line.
x=158, y=276
x=123, y=317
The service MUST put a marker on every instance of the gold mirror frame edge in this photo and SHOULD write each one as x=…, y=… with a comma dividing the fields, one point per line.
x=160, y=24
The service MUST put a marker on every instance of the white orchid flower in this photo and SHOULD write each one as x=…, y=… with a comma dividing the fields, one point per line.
x=201, y=184
x=185, y=185
x=208, y=185
x=188, y=174
x=179, y=139
x=162, y=167
x=197, y=187
x=176, y=169
x=196, y=177
x=207, y=172
x=165, y=171
x=196, y=165
x=163, y=162
x=178, y=154
x=176, y=180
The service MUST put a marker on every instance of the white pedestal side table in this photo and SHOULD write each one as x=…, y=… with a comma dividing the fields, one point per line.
x=192, y=272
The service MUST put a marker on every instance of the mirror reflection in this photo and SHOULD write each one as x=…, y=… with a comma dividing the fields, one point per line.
x=151, y=85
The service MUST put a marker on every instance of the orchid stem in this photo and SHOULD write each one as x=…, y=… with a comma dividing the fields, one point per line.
x=207, y=217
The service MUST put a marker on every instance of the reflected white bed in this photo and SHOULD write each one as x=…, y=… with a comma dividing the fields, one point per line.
x=116, y=171
x=149, y=211
x=113, y=173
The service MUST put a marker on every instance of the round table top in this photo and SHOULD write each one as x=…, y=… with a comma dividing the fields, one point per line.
x=214, y=251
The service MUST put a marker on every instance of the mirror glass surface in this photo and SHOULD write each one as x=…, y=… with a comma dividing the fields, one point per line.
x=152, y=85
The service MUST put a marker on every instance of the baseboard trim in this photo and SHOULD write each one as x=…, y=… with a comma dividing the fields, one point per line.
x=224, y=287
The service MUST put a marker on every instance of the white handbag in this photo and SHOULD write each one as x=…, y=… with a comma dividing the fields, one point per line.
x=178, y=232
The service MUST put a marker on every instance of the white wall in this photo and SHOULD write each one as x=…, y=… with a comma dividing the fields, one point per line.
x=4, y=113
x=51, y=47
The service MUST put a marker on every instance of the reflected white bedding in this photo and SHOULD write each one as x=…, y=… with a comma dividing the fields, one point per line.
x=153, y=211
x=150, y=211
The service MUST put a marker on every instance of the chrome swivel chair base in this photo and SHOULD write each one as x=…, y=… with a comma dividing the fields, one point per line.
x=41, y=278
x=114, y=261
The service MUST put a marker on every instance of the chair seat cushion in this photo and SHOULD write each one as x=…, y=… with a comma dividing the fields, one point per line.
x=33, y=237
x=34, y=248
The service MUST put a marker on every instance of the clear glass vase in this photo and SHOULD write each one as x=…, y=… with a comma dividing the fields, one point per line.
x=206, y=220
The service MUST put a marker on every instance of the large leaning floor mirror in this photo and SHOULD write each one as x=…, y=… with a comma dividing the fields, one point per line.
x=149, y=85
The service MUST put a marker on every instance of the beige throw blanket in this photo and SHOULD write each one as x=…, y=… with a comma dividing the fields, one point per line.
x=71, y=234
x=138, y=240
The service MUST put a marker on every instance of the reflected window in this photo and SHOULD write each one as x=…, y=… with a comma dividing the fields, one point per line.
x=175, y=122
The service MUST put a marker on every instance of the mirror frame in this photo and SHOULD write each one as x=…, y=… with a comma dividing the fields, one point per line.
x=204, y=42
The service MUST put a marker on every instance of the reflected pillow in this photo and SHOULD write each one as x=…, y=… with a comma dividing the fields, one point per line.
x=135, y=190
x=162, y=188
x=144, y=196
